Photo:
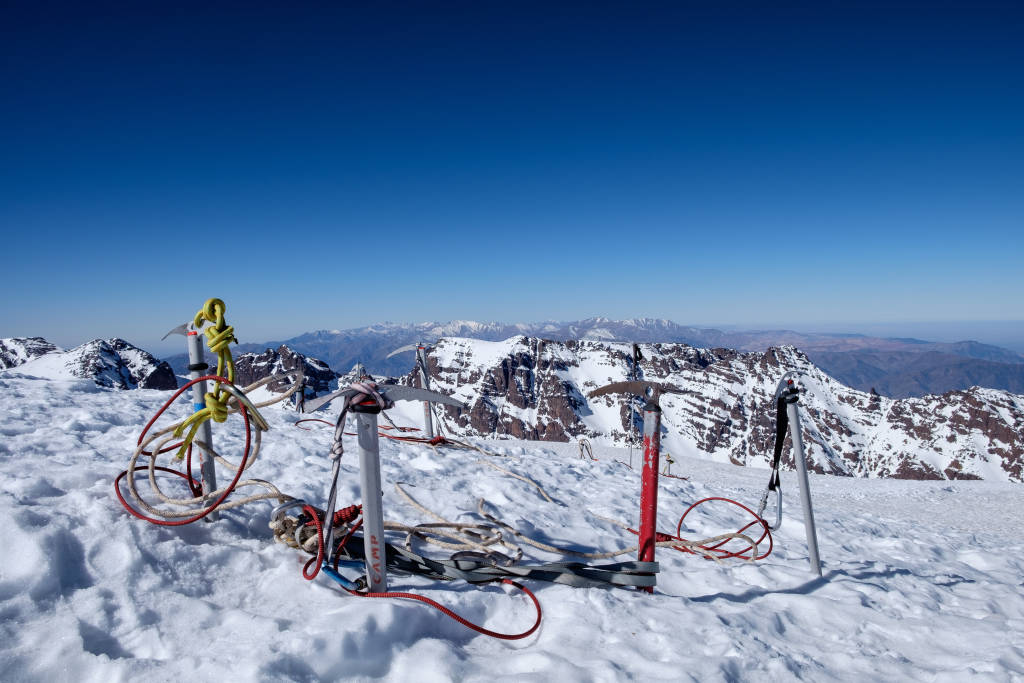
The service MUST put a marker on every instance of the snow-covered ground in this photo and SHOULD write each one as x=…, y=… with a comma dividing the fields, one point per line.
x=922, y=580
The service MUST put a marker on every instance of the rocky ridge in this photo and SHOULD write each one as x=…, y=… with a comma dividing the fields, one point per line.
x=897, y=368
x=252, y=367
x=529, y=388
x=15, y=351
x=113, y=363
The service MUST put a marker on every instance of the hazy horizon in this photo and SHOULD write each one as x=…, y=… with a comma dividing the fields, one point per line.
x=1006, y=334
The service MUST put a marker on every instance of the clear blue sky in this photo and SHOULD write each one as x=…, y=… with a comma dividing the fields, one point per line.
x=335, y=166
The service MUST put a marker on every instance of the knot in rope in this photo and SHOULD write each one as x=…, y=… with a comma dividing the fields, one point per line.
x=217, y=405
x=337, y=450
x=366, y=392
x=212, y=311
x=218, y=340
x=218, y=336
x=346, y=515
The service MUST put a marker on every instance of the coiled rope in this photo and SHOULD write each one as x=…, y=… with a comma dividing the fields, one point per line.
x=225, y=400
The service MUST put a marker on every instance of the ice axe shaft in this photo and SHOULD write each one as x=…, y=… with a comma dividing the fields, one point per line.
x=197, y=368
x=369, y=471
x=652, y=455
x=791, y=394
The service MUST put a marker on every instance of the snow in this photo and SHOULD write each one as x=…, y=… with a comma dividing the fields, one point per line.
x=922, y=580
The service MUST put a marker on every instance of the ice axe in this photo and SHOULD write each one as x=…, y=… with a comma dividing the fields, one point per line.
x=369, y=467
x=652, y=447
x=786, y=397
x=197, y=368
x=421, y=364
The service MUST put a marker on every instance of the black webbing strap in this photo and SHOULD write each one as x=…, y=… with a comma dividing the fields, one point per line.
x=630, y=573
x=781, y=425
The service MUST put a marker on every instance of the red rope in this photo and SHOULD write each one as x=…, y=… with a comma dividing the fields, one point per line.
x=407, y=596
x=717, y=549
x=465, y=622
x=337, y=553
x=188, y=477
x=318, y=560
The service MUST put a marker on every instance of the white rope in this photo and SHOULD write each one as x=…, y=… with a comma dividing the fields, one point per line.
x=154, y=444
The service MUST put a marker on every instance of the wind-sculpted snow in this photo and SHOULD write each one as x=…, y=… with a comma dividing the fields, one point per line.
x=527, y=388
x=921, y=579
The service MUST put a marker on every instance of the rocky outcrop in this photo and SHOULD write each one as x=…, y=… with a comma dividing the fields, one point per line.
x=113, y=363
x=15, y=351
x=252, y=367
x=533, y=389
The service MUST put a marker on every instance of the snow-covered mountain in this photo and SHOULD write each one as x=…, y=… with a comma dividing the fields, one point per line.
x=528, y=388
x=112, y=363
x=251, y=367
x=15, y=351
x=895, y=367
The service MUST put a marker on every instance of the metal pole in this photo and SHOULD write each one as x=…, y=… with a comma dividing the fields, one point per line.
x=197, y=368
x=300, y=396
x=428, y=422
x=373, y=504
x=792, y=396
x=649, y=485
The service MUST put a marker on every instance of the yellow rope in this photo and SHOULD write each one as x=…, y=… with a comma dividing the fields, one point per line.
x=218, y=336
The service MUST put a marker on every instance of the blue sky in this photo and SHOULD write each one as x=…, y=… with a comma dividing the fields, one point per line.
x=809, y=167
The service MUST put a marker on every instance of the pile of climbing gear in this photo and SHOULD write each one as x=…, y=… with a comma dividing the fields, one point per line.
x=347, y=544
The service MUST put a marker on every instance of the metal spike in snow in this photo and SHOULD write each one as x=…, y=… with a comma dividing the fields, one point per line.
x=421, y=365
x=787, y=396
x=197, y=368
x=369, y=470
x=652, y=447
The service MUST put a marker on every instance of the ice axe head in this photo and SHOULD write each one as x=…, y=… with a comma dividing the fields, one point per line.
x=651, y=390
x=181, y=329
x=392, y=392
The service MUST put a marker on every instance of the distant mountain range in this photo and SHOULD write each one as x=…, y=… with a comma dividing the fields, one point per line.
x=533, y=388
x=897, y=368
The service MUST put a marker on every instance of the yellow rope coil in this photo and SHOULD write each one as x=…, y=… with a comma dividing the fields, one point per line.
x=218, y=336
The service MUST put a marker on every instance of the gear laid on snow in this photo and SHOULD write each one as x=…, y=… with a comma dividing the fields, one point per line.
x=484, y=552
